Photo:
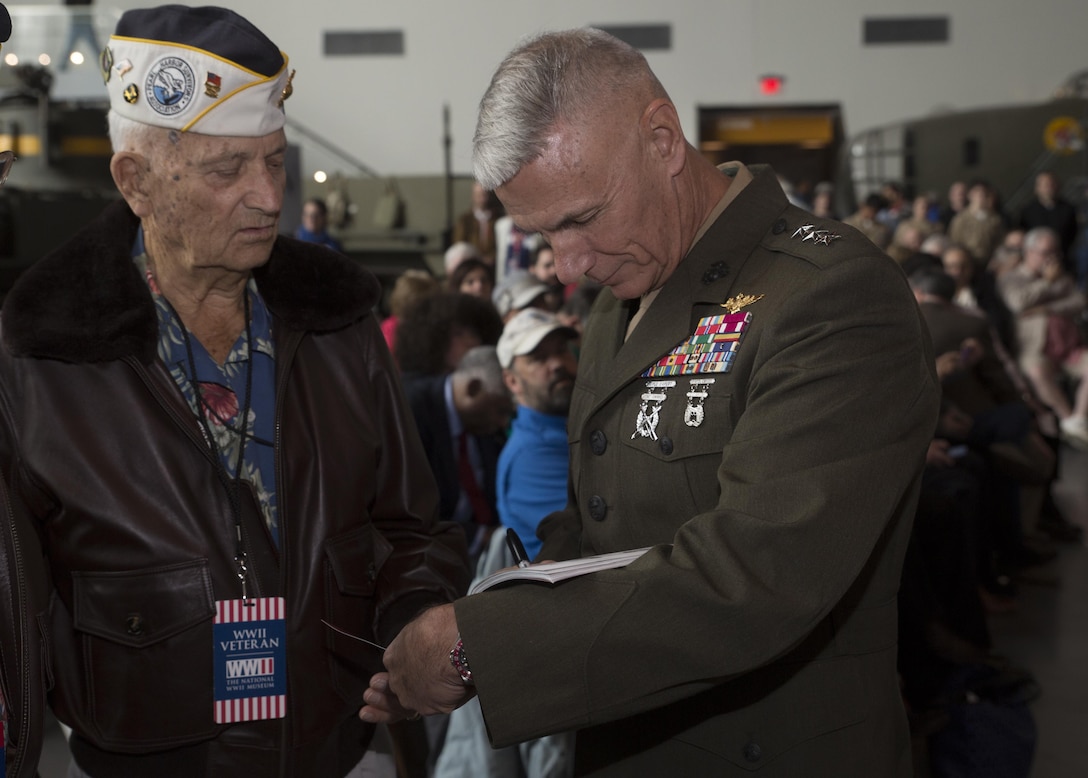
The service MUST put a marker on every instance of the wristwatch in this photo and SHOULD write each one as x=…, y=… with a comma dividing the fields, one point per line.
x=460, y=662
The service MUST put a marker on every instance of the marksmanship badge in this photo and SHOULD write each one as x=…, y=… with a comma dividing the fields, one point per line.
x=697, y=392
x=649, y=412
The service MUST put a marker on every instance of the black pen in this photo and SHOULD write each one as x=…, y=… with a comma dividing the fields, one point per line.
x=517, y=548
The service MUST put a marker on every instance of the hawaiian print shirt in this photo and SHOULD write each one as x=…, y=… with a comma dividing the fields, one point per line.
x=222, y=389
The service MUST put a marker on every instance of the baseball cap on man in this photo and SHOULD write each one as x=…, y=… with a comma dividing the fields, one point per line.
x=516, y=292
x=525, y=331
x=205, y=70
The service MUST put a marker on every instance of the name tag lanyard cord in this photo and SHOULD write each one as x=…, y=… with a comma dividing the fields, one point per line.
x=232, y=485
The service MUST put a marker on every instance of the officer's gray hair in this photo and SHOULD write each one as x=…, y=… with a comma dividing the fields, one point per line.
x=482, y=362
x=554, y=76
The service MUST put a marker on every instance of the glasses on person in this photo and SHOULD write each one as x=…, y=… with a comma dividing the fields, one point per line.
x=7, y=159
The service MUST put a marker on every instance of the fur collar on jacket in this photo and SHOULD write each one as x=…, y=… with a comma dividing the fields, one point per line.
x=86, y=301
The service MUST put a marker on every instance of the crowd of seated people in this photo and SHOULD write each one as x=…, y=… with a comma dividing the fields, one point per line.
x=1007, y=314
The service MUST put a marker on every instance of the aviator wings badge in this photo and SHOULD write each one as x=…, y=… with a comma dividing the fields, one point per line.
x=734, y=304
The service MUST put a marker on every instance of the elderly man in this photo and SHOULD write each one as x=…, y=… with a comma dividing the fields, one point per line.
x=1048, y=307
x=205, y=426
x=754, y=400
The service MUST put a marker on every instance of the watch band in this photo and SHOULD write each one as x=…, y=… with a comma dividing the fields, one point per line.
x=460, y=662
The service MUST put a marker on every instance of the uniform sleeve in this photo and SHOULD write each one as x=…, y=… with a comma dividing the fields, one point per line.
x=817, y=485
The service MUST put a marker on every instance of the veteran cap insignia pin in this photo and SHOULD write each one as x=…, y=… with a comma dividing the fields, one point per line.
x=288, y=90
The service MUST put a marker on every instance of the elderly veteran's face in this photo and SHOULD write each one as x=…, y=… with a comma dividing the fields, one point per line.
x=603, y=198
x=215, y=201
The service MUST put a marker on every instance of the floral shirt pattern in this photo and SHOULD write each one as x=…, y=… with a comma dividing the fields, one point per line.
x=223, y=389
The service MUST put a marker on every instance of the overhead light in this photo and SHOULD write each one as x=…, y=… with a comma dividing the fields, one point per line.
x=320, y=176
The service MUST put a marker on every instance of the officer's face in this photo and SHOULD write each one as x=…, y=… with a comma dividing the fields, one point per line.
x=214, y=202
x=601, y=196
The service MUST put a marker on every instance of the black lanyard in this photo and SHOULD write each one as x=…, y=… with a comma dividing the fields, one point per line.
x=231, y=484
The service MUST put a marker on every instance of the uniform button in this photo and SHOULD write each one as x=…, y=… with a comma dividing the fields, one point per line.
x=598, y=442
x=752, y=752
x=779, y=227
x=715, y=272
x=666, y=445
x=371, y=571
x=134, y=624
x=597, y=508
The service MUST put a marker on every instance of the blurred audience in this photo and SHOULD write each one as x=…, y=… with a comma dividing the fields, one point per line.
x=435, y=334
x=1049, y=310
x=979, y=227
x=410, y=287
x=474, y=277
x=476, y=226
x=315, y=225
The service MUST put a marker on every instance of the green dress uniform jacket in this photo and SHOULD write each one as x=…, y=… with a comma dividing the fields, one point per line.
x=759, y=632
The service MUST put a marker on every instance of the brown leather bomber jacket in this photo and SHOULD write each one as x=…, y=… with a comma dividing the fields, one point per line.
x=112, y=486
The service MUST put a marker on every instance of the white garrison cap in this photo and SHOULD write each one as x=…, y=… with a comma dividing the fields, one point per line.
x=204, y=70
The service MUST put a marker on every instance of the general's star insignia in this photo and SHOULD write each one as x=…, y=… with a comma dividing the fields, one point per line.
x=734, y=304
x=809, y=232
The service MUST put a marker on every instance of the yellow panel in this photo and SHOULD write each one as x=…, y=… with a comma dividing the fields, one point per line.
x=73, y=146
x=756, y=129
x=85, y=146
x=22, y=145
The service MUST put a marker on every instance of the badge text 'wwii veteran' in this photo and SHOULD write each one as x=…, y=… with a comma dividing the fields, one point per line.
x=711, y=349
x=250, y=660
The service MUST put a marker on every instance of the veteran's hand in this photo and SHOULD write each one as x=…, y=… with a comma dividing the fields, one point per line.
x=418, y=660
x=382, y=706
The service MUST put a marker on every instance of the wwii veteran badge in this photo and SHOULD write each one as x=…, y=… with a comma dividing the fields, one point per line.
x=205, y=70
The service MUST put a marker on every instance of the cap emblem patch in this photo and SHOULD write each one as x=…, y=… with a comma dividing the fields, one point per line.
x=170, y=86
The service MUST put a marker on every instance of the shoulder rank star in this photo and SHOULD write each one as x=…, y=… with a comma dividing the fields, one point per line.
x=734, y=304
x=809, y=232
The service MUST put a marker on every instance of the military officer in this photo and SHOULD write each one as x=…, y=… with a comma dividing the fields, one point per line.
x=755, y=397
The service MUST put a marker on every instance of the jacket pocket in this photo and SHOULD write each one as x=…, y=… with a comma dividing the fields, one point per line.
x=146, y=641
x=684, y=438
x=353, y=563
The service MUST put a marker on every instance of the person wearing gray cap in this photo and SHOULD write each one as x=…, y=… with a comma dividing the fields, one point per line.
x=539, y=369
x=203, y=426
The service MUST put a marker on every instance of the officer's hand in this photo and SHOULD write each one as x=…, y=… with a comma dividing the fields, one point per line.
x=420, y=673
